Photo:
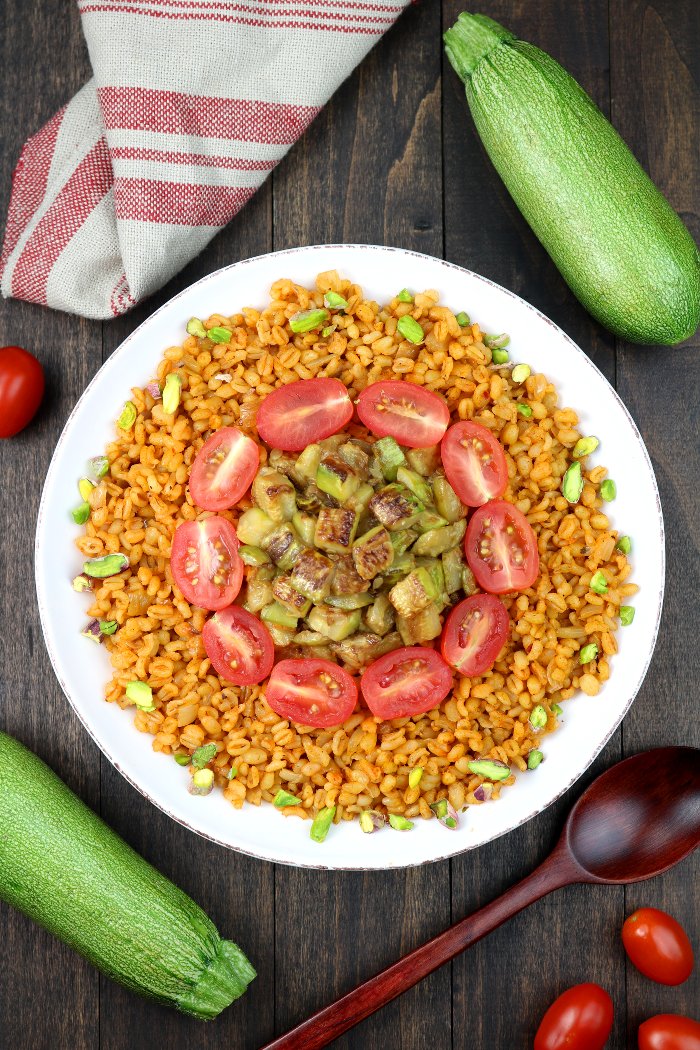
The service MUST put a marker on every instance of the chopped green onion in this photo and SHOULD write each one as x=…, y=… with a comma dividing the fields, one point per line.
x=520, y=373
x=626, y=615
x=203, y=755
x=85, y=487
x=572, y=484
x=588, y=653
x=524, y=410
x=538, y=717
x=108, y=626
x=624, y=544
x=81, y=583
x=409, y=328
x=557, y=709
x=232, y=773
x=405, y=296
x=182, y=760
x=334, y=301
x=492, y=769
x=400, y=823
x=534, y=758
x=98, y=466
x=415, y=776
x=307, y=320
x=321, y=824
x=202, y=782
x=283, y=799
x=584, y=447
x=219, y=335
x=499, y=357
x=128, y=416
x=195, y=327
x=107, y=565
x=329, y=330
x=608, y=490
x=81, y=513
x=171, y=393
x=141, y=694
x=497, y=342
x=462, y=319
x=598, y=583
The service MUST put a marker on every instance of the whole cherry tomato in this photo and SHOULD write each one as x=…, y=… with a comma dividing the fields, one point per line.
x=21, y=389
x=580, y=1019
x=658, y=946
x=669, y=1032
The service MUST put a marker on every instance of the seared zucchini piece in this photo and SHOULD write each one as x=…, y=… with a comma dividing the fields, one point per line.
x=422, y=627
x=307, y=463
x=288, y=596
x=253, y=526
x=390, y=457
x=281, y=636
x=350, y=601
x=434, y=567
x=279, y=615
x=283, y=546
x=361, y=649
x=259, y=588
x=373, y=553
x=425, y=461
x=430, y=520
x=285, y=464
x=415, y=484
x=447, y=501
x=312, y=575
x=337, y=478
x=335, y=529
x=346, y=580
x=312, y=638
x=437, y=541
x=413, y=593
x=274, y=494
x=469, y=584
x=395, y=507
x=452, y=565
x=253, y=555
x=355, y=457
x=379, y=617
x=305, y=525
x=401, y=565
x=402, y=540
x=360, y=499
x=335, y=624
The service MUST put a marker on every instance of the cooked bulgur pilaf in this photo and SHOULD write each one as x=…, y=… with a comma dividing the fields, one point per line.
x=365, y=763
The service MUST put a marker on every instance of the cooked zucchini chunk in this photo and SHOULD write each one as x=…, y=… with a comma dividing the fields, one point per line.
x=275, y=495
x=288, y=596
x=283, y=546
x=346, y=579
x=259, y=589
x=253, y=526
x=305, y=525
x=279, y=615
x=356, y=457
x=312, y=575
x=361, y=649
x=413, y=593
x=452, y=567
x=415, y=484
x=335, y=529
x=307, y=463
x=390, y=457
x=379, y=616
x=337, y=478
x=395, y=507
x=425, y=461
x=335, y=624
x=422, y=627
x=437, y=541
x=373, y=553
x=447, y=502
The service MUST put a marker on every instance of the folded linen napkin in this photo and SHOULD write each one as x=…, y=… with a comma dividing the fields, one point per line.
x=191, y=105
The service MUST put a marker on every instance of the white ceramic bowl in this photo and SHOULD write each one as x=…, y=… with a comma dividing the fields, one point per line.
x=83, y=669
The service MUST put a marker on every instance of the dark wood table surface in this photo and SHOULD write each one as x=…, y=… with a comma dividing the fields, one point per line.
x=393, y=159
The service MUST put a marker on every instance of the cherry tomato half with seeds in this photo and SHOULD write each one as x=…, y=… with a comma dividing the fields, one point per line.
x=239, y=646
x=474, y=634
x=21, y=389
x=501, y=548
x=205, y=563
x=223, y=469
x=580, y=1019
x=311, y=692
x=658, y=946
x=669, y=1032
x=412, y=415
x=405, y=682
x=474, y=462
x=298, y=414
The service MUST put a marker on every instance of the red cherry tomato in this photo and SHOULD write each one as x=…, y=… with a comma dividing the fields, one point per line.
x=406, y=682
x=205, y=563
x=580, y=1019
x=311, y=692
x=658, y=946
x=223, y=469
x=297, y=414
x=413, y=415
x=474, y=634
x=669, y=1032
x=21, y=389
x=501, y=548
x=474, y=462
x=239, y=646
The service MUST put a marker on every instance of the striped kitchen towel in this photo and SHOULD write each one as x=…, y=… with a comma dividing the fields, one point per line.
x=191, y=105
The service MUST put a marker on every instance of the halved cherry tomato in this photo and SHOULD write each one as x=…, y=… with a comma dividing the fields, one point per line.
x=297, y=414
x=205, y=562
x=311, y=692
x=239, y=646
x=413, y=415
x=474, y=462
x=501, y=548
x=669, y=1032
x=406, y=682
x=474, y=634
x=21, y=389
x=580, y=1019
x=658, y=946
x=223, y=469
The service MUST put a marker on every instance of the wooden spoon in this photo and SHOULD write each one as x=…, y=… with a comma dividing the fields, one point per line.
x=635, y=821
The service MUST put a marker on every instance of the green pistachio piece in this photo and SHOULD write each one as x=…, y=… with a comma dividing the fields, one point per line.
x=98, y=466
x=334, y=301
x=195, y=327
x=321, y=824
x=283, y=799
x=572, y=483
x=409, y=328
x=141, y=694
x=171, y=393
x=584, y=447
x=608, y=490
x=538, y=717
x=520, y=373
x=202, y=782
x=400, y=823
x=219, y=335
x=500, y=357
x=81, y=513
x=462, y=319
x=497, y=342
x=307, y=320
x=534, y=758
x=524, y=410
x=405, y=296
x=182, y=760
x=588, y=653
x=599, y=584
x=490, y=768
x=108, y=626
x=626, y=615
x=415, y=777
x=107, y=565
x=624, y=544
x=203, y=755
x=128, y=416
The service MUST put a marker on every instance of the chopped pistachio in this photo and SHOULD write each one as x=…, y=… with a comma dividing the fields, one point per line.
x=195, y=327
x=219, y=335
x=499, y=357
x=462, y=319
x=81, y=583
x=85, y=487
x=497, y=342
x=490, y=768
x=626, y=615
x=321, y=824
x=307, y=320
x=92, y=631
x=524, y=410
x=182, y=760
x=598, y=583
x=608, y=490
x=400, y=823
x=557, y=709
x=202, y=782
x=107, y=565
x=108, y=626
x=534, y=758
x=520, y=373
x=445, y=813
x=154, y=390
x=538, y=717
x=409, y=328
x=141, y=694
x=415, y=776
x=203, y=755
x=232, y=773
x=572, y=483
x=328, y=330
x=483, y=793
x=588, y=653
x=584, y=447
x=171, y=393
x=98, y=466
x=371, y=820
x=405, y=296
x=283, y=799
x=624, y=544
x=128, y=416
x=334, y=301
x=81, y=513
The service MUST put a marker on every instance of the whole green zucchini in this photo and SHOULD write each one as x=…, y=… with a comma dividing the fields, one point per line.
x=617, y=242
x=63, y=867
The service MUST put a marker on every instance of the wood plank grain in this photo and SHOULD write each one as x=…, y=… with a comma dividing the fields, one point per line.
x=656, y=108
x=37, y=970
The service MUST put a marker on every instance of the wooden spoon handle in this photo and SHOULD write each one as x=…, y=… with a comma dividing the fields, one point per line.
x=330, y=1022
